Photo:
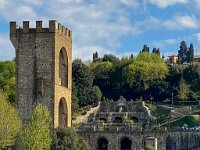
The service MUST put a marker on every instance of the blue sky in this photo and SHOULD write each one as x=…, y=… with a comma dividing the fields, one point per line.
x=120, y=27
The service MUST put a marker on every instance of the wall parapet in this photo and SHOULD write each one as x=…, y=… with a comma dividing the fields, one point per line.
x=54, y=27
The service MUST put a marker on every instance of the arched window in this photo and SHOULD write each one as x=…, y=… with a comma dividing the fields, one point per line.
x=62, y=113
x=102, y=144
x=135, y=119
x=125, y=144
x=63, y=67
x=117, y=120
x=102, y=120
x=150, y=143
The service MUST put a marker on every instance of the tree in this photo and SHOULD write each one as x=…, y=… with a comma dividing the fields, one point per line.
x=96, y=94
x=102, y=73
x=190, y=54
x=145, y=49
x=7, y=79
x=182, y=53
x=67, y=139
x=95, y=56
x=183, y=90
x=111, y=58
x=10, y=123
x=36, y=134
x=146, y=70
x=156, y=51
x=82, y=82
x=191, y=74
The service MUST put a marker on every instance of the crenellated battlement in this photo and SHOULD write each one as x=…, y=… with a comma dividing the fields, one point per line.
x=54, y=27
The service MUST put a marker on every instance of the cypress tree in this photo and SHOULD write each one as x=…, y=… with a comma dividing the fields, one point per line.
x=190, y=54
x=182, y=53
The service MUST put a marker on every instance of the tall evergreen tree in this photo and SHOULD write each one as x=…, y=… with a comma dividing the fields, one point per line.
x=182, y=53
x=190, y=53
x=154, y=50
x=95, y=56
x=145, y=48
x=158, y=51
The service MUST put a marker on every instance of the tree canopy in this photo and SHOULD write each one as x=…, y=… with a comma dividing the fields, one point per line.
x=10, y=123
x=36, y=134
x=67, y=139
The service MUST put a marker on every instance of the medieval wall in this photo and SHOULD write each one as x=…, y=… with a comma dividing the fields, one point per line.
x=37, y=72
x=165, y=140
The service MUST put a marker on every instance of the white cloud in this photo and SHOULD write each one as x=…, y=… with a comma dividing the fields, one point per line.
x=33, y=2
x=197, y=35
x=95, y=25
x=130, y=3
x=181, y=22
x=197, y=3
x=166, y=42
x=7, y=51
x=166, y=3
x=3, y=3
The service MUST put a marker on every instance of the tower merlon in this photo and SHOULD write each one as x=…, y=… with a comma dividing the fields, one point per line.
x=13, y=26
x=54, y=27
x=25, y=26
x=38, y=26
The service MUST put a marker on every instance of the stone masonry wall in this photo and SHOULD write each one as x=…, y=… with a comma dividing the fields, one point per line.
x=166, y=140
x=37, y=57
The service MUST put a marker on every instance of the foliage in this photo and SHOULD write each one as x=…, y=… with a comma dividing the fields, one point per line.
x=145, y=49
x=36, y=134
x=111, y=58
x=183, y=90
x=96, y=94
x=149, y=147
x=146, y=70
x=10, y=123
x=191, y=121
x=185, y=54
x=82, y=83
x=182, y=53
x=160, y=113
x=67, y=139
x=7, y=79
x=95, y=56
x=190, y=54
x=156, y=51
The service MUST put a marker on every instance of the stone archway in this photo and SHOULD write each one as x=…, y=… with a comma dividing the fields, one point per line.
x=62, y=118
x=118, y=120
x=102, y=144
x=150, y=143
x=63, y=67
x=125, y=144
x=103, y=120
x=135, y=119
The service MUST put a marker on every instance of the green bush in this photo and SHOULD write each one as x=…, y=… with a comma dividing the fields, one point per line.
x=67, y=139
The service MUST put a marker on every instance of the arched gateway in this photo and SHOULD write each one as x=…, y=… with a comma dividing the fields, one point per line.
x=44, y=68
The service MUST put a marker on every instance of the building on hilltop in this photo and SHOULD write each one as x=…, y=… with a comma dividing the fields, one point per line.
x=44, y=69
x=173, y=59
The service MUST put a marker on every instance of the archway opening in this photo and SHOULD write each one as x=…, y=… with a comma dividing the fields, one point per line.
x=63, y=67
x=150, y=143
x=135, y=119
x=62, y=113
x=103, y=120
x=102, y=144
x=117, y=120
x=125, y=144
x=121, y=108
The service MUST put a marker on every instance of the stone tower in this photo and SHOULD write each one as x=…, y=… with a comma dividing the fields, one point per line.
x=44, y=69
